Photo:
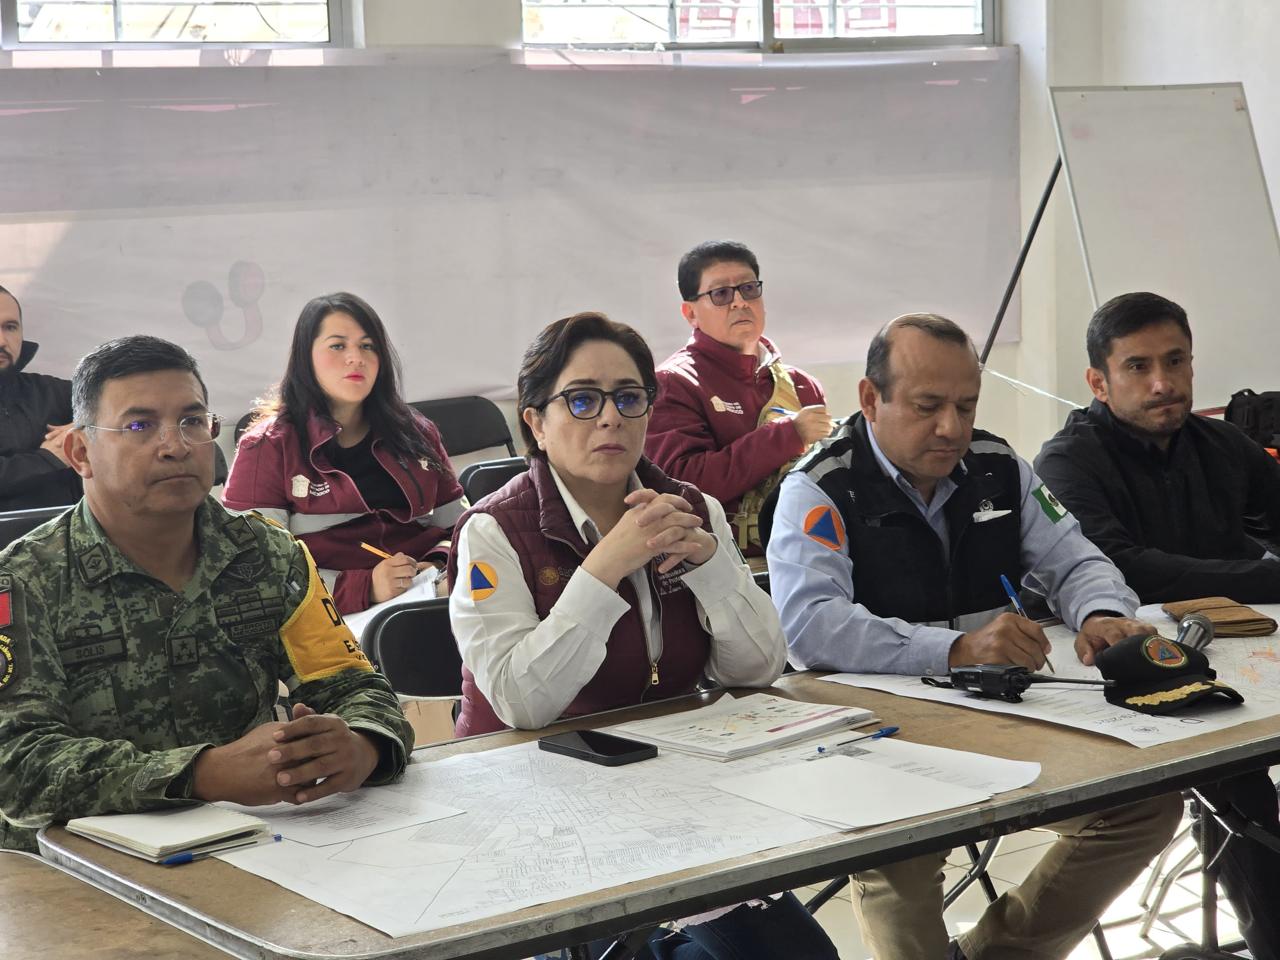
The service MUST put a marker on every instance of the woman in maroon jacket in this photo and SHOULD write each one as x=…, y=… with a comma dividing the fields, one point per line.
x=595, y=581
x=340, y=459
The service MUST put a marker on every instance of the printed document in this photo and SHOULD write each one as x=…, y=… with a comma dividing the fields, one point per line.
x=1085, y=708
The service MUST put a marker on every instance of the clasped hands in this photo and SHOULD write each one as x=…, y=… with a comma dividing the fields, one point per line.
x=311, y=756
x=655, y=524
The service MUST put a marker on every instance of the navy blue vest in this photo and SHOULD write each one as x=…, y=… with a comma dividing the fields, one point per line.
x=900, y=567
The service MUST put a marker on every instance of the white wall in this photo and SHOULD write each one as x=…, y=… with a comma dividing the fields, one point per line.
x=1079, y=42
x=1060, y=42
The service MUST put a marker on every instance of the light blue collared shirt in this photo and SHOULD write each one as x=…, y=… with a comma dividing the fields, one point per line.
x=813, y=584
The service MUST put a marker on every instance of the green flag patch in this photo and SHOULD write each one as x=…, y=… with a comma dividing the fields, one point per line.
x=1052, y=508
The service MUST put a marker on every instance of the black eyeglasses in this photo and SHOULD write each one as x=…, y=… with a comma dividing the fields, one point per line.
x=585, y=403
x=723, y=296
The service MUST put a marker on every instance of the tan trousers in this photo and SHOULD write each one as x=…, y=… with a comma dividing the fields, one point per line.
x=899, y=906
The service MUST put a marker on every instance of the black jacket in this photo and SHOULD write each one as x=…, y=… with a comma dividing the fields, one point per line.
x=29, y=403
x=1174, y=523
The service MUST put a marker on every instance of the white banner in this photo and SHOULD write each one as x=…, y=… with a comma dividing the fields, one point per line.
x=474, y=196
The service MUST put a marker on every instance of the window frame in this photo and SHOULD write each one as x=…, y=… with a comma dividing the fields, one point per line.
x=343, y=32
x=769, y=43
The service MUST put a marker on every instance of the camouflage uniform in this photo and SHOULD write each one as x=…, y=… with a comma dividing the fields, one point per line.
x=111, y=683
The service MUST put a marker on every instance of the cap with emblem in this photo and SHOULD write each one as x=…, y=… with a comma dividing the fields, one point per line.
x=1155, y=675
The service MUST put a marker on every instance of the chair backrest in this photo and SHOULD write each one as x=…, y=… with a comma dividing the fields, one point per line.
x=18, y=523
x=242, y=425
x=481, y=479
x=413, y=646
x=467, y=424
x=219, y=466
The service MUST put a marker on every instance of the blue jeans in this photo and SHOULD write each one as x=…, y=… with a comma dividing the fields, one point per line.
x=783, y=930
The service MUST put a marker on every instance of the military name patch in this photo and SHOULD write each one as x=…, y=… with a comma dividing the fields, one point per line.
x=482, y=581
x=1052, y=508
x=254, y=628
x=824, y=525
x=101, y=648
x=1163, y=653
x=6, y=661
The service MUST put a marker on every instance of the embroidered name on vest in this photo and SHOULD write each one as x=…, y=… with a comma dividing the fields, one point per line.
x=669, y=582
x=726, y=406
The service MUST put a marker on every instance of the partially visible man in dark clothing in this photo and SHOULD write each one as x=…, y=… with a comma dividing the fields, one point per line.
x=35, y=414
x=1166, y=494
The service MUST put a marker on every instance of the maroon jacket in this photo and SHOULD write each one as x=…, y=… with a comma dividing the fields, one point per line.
x=322, y=507
x=536, y=521
x=718, y=447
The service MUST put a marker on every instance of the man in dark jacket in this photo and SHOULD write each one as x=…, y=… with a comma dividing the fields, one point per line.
x=1165, y=494
x=35, y=414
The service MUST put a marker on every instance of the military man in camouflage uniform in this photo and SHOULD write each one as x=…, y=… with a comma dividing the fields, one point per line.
x=144, y=633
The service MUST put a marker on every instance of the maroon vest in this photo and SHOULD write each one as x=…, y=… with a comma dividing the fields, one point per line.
x=537, y=523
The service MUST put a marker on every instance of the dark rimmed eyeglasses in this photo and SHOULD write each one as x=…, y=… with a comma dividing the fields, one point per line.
x=723, y=296
x=585, y=403
x=194, y=429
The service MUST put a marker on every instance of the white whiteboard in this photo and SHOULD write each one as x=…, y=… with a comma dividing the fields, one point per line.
x=473, y=196
x=1170, y=197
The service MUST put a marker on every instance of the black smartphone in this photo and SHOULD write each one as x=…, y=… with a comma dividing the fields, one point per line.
x=597, y=747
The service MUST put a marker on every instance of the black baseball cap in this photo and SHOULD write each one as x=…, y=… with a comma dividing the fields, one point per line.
x=1156, y=675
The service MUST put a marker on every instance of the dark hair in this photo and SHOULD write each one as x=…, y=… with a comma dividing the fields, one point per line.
x=550, y=351
x=940, y=328
x=299, y=393
x=15, y=300
x=1126, y=314
x=708, y=254
x=123, y=357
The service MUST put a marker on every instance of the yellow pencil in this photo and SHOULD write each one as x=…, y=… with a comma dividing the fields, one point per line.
x=375, y=551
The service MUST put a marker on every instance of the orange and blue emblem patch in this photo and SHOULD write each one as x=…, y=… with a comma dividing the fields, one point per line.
x=481, y=580
x=824, y=525
x=1163, y=653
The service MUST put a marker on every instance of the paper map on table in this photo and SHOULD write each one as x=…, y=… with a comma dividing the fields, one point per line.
x=537, y=827
x=1250, y=664
x=1087, y=709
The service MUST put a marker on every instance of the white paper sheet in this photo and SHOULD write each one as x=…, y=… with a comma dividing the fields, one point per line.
x=350, y=816
x=422, y=588
x=849, y=793
x=1087, y=709
x=976, y=771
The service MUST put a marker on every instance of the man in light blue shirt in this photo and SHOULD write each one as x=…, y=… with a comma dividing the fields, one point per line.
x=885, y=555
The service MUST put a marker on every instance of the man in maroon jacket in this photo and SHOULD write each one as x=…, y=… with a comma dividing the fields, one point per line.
x=730, y=416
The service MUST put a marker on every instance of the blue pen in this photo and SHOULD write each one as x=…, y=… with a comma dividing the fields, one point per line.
x=178, y=859
x=1021, y=610
x=877, y=735
x=780, y=410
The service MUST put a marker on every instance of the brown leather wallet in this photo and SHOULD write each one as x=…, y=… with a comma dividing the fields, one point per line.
x=1230, y=619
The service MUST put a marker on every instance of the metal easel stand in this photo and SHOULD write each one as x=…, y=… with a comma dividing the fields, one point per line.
x=1220, y=826
x=1022, y=258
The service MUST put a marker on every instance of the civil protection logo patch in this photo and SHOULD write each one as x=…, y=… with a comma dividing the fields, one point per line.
x=481, y=580
x=1163, y=653
x=824, y=525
